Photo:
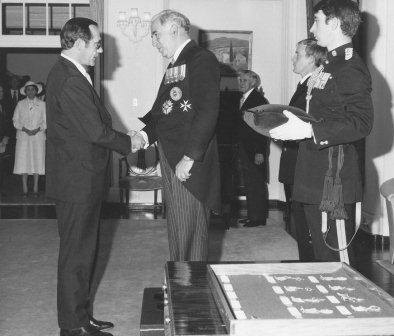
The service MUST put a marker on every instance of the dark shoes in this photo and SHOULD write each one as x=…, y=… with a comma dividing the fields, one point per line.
x=94, y=329
x=252, y=223
x=84, y=331
x=100, y=324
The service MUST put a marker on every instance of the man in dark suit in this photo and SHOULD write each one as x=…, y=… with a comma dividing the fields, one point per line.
x=183, y=120
x=80, y=139
x=253, y=152
x=12, y=96
x=307, y=57
x=328, y=179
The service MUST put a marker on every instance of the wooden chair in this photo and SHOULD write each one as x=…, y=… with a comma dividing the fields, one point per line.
x=138, y=172
x=387, y=191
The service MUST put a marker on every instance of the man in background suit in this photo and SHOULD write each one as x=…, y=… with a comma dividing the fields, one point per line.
x=12, y=96
x=307, y=57
x=80, y=139
x=253, y=152
x=183, y=120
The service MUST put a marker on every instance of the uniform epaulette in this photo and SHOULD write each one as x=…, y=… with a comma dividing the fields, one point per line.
x=348, y=53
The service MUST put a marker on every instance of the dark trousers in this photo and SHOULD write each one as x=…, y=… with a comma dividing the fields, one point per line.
x=256, y=187
x=78, y=230
x=304, y=241
x=322, y=252
x=187, y=218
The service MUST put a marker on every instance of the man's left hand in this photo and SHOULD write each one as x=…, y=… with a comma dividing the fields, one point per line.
x=182, y=169
x=293, y=129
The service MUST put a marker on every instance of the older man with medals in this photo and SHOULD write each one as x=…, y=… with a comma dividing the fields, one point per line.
x=183, y=121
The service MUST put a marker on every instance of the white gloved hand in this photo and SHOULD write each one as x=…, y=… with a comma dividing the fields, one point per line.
x=293, y=129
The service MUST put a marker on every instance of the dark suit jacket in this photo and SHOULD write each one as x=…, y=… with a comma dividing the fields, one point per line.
x=250, y=140
x=184, y=123
x=342, y=103
x=288, y=157
x=79, y=137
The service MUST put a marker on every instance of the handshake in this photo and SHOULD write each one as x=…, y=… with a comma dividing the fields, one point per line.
x=137, y=141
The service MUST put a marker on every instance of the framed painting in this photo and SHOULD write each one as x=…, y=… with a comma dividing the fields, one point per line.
x=232, y=48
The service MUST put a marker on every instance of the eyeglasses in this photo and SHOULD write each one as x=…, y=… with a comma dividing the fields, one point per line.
x=98, y=45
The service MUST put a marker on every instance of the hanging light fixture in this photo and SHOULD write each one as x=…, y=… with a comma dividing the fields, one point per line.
x=134, y=27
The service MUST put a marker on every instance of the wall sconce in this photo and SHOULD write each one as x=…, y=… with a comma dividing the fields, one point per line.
x=133, y=27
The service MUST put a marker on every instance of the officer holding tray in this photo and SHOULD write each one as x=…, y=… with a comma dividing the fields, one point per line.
x=328, y=180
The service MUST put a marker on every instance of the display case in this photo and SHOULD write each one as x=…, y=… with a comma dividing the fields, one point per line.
x=271, y=299
x=300, y=299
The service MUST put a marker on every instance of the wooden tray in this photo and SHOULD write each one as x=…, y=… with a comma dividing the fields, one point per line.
x=300, y=299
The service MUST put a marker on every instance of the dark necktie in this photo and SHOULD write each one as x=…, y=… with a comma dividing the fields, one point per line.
x=14, y=97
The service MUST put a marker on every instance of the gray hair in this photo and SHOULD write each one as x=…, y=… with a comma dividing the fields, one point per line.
x=170, y=15
x=319, y=53
x=253, y=75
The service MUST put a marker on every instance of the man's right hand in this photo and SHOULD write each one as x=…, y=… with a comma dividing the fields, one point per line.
x=137, y=141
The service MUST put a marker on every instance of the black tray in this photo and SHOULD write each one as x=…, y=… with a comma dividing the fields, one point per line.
x=269, y=116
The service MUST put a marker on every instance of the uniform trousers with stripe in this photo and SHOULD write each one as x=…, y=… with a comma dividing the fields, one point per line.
x=187, y=218
x=313, y=216
x=78, y=225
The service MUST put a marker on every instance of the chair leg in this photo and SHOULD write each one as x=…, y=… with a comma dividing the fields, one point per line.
x=163, y=205
x=155, y=204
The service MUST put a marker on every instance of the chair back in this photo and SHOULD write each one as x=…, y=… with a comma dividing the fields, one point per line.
x=387, y=191
x=143, y=163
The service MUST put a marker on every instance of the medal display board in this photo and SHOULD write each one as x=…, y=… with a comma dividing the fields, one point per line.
x=299, y=299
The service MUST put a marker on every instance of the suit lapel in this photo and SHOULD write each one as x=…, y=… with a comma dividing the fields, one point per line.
x=73, y=69
x=301, y=90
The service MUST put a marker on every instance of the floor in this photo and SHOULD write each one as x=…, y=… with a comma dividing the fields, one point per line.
x=369, y=249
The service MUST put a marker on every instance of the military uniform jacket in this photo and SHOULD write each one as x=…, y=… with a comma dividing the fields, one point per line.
x=251, y=141
x=80, y=137
x=341, y=101
x=183, y=120
x=288, y=158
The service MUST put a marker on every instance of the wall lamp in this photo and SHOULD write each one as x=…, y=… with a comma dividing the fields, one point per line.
x=134, y=27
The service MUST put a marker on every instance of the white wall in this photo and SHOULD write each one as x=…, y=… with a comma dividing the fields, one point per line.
x=379, y=50
x=134, y=71
x=36, y=65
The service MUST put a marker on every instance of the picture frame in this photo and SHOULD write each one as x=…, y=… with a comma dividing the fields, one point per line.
x=232, y=48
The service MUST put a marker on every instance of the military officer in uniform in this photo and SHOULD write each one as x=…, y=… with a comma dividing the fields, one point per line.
x=328, y=180
x=183, y=120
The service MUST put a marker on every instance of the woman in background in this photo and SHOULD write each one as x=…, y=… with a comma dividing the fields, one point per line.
x=30, y=123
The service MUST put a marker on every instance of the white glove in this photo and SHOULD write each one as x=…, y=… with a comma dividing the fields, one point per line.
x=293, y=129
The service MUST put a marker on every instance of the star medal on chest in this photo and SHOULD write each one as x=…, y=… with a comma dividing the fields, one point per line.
x=175, y=74
x=176, y=93
x=167, y=106
x=185, y=105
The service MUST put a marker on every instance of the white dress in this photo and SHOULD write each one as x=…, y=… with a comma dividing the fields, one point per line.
x=30, y=149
